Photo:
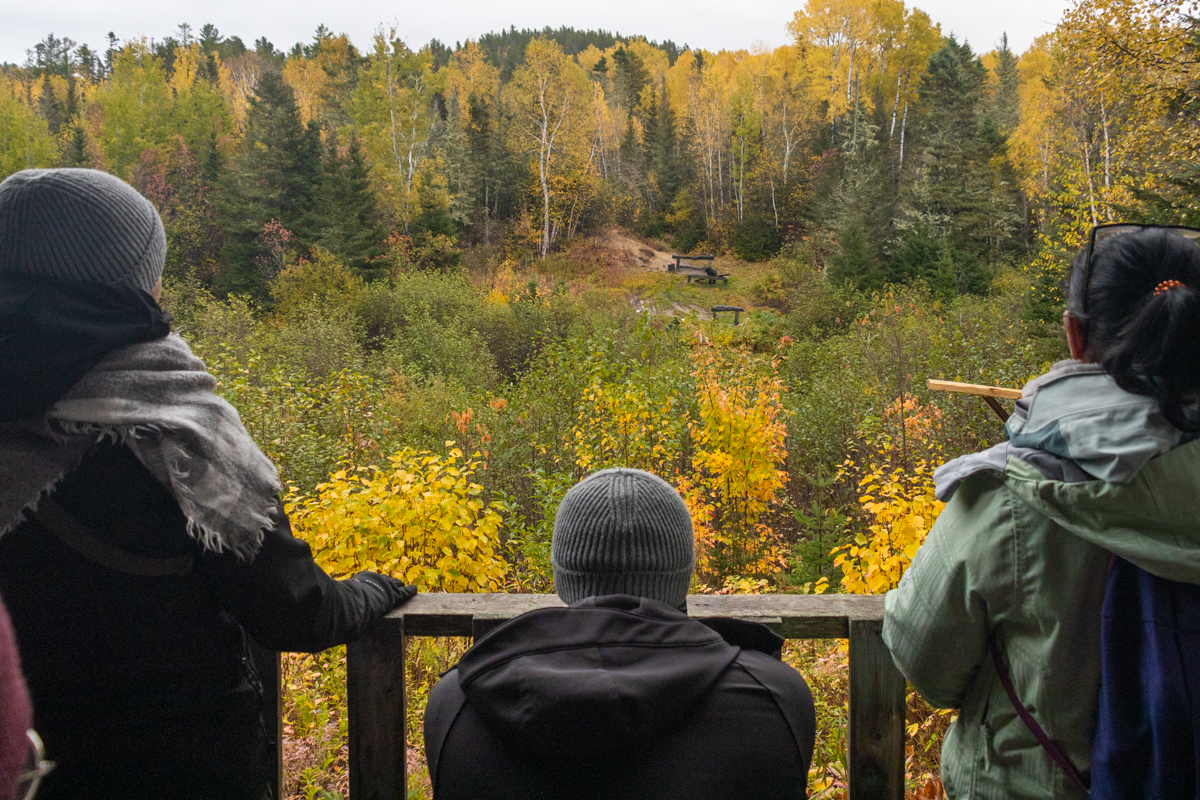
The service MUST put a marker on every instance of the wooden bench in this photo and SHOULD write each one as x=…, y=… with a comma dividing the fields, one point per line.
x=737, y=310
x=703, y=277
x=375, y=666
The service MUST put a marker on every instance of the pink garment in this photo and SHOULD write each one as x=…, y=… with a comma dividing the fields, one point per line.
x=16, y=714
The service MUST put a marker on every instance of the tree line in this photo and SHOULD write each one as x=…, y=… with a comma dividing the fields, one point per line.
x=909, y=155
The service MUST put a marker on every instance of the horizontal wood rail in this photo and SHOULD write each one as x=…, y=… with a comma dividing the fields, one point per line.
x=973, y=388
x=375, y=666
x=988, y=393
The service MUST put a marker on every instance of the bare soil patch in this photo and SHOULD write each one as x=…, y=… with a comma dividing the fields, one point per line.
x=641, y=251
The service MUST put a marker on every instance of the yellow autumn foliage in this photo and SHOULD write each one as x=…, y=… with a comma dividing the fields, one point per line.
x=420, y=520
x=740, y=443
x=902, y=507
x=629, y=425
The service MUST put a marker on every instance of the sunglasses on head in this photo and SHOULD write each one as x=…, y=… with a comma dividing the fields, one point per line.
x=1101, y=232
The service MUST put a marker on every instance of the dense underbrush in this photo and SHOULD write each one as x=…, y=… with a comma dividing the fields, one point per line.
x=428, y=424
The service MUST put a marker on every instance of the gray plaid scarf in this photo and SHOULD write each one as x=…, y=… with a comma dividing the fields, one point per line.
x=157, y=399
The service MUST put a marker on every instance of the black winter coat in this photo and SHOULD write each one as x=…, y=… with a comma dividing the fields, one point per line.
x=620, y=698
x=142, y=685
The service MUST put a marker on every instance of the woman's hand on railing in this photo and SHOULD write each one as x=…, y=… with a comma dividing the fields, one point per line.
x=384, y=593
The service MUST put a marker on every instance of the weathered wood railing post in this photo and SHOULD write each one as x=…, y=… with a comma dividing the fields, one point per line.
x=876, y=716
x=376, y=698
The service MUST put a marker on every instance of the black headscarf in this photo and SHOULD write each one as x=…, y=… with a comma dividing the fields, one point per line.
x=52, y=333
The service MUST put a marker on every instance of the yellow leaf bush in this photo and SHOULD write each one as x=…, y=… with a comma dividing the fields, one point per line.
x=901, y=508
x=629, y=425
x=740, y=443
x=420, y=520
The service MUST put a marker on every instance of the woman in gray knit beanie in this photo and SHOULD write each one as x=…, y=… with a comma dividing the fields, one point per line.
x=142, y=541
x=623, y=531
x=81, y=260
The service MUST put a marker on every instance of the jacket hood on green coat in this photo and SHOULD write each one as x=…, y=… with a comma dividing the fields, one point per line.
x=1102, y=463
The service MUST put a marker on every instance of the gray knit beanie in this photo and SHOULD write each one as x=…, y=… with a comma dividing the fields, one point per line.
x=79, y=225
x=623, y=531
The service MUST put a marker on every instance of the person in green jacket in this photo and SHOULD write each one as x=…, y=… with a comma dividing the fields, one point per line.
x=1101, y=459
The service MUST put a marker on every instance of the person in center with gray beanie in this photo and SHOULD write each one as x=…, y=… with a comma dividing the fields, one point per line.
x=620, y=695
x=142, y=541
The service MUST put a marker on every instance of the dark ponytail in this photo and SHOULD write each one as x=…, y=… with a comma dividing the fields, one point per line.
x=1144, y=331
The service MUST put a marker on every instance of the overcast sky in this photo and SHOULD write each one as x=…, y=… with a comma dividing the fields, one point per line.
x=708, y=24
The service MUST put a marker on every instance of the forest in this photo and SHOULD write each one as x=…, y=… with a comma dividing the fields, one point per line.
x=430, y=278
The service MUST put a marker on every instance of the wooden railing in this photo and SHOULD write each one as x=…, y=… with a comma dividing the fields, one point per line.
x=375, y=666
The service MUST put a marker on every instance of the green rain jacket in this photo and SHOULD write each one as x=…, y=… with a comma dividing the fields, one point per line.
x=1021, y=552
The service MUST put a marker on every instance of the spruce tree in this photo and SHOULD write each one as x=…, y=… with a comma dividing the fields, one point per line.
x=629, y=77
x=210, y=47
x=274, y=178
x=952, y=90
x=662, y=151
x=630, y=157
x=960, y=194
x=862, y=211
x=309, y=171
x=48, y=106
x=647, y=156
x=210, y=165
x=75, y=154
x=365, y=235
x=71, y=109
x=1007, y=105
x=347, y=213
x=855, y=262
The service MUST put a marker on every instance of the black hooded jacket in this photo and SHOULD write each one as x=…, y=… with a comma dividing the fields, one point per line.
x=625, y=698
x=143, y=685
x=133, y=639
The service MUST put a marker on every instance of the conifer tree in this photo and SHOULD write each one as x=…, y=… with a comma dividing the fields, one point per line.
x=48, y=106
x=630, y=163
x=273, y=180
x=210, y=46
x=210, y=168
x=1007, y=106
x=493, y=164
x=347, y=213
x=629, y=77
x=76, y=154
x=662, y=153
x=71, y=107
x=855, y=263
x=959, y=195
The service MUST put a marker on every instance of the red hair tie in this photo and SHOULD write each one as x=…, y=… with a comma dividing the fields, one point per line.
x=1166, y=286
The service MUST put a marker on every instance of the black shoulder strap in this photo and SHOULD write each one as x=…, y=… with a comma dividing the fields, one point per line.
x=68, y=530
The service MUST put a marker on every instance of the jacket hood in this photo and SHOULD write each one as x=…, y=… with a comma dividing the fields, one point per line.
x=1102, y=463
x=1077, y=411
x=53, y=333
x=605, y=675
x=1152, y=521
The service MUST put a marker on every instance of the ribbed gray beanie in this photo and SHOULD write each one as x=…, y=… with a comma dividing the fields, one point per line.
x=623, y=531
x=79, y=225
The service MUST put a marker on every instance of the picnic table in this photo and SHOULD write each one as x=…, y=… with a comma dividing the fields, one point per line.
x=697, y=273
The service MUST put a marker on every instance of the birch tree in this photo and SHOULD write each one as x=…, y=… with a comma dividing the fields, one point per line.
x=548, y=103
x=392, y=107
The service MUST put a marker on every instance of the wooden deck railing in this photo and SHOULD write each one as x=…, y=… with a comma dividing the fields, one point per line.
x=375, y=665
